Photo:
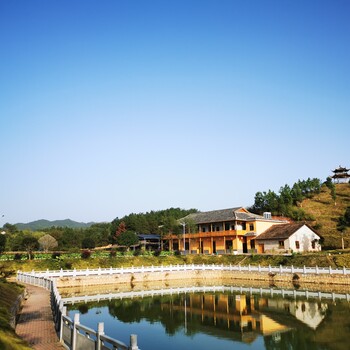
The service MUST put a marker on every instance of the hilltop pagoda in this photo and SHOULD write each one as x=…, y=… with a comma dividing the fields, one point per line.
x=340, y=175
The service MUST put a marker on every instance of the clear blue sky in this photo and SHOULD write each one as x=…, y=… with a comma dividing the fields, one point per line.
x=109, y=107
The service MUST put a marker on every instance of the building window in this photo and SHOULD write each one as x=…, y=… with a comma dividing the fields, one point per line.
x=297, y=245
x=203, y=229
x=227, y=226
x=281, y=244
x=244, y=226
x=313, y=244
x=251, y=227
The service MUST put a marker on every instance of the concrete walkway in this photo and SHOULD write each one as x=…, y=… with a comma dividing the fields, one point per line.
x=35, y=323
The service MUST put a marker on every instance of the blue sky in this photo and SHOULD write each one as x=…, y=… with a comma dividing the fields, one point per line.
x=111, y=107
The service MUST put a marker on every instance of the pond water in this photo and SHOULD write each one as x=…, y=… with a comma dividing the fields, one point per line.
x=201, y=321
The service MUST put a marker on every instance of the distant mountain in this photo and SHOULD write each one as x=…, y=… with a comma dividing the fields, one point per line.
x=42, y=224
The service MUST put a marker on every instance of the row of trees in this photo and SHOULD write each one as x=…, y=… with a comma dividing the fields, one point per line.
x=55, y=238
x=157, y=222
x=120, y=231
x=288, y=200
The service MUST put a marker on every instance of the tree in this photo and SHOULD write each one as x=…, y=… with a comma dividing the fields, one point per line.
x=329, y=183
x=10, y=228
x=88, y=243
x=343, y=223
x=341, y=227
x=127, y=239
x=47, y=242
x=2, y=243
x=30, y=243
x=347, y=216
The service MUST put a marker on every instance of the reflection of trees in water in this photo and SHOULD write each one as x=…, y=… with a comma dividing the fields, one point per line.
x=149, y=309
x=294, y=340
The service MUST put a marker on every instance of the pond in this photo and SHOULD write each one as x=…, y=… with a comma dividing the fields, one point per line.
x=229, y=320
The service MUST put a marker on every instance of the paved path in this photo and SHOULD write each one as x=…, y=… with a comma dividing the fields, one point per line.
x=35, y=323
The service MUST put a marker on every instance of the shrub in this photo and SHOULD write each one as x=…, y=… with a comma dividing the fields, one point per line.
x=68, y=265
x=55, y=255
x=137, y=252
x=85, y=254
x=317, y=226
x=157, y=252
x=17, y=256
x=112, y=253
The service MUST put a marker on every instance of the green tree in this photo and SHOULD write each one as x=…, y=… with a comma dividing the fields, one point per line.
x=347, y=216
x=341, y=227
x=2, y=243
x=127, y=239
x=100, y=233
x=29, y=244
x=297, y=194
x=11, y=229
x=88, y=243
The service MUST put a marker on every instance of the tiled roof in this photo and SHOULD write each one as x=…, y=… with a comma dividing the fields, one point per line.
x=283, y=231
x=222, y=215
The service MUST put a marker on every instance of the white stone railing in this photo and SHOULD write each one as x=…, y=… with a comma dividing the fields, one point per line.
x=72, y=334
x=206, y=289
x=191, y=267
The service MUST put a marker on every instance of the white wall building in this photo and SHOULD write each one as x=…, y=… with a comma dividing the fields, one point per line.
x=290, y=237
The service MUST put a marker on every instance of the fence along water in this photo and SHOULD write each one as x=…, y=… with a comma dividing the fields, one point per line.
x=74, y=335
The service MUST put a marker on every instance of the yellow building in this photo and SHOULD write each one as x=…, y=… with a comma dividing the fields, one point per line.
x=221, y=232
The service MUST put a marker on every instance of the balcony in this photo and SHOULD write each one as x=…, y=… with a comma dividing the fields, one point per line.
x=227, y=233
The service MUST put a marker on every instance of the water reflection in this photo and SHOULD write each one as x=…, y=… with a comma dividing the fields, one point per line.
x=250, y=321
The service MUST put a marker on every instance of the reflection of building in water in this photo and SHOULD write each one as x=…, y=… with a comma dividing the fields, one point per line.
x=237, y=313
x=310, y=313
x=245, y=316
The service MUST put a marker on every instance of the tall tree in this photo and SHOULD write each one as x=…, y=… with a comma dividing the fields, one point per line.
x=341, y=227
x=29, y=244
x=2, y=243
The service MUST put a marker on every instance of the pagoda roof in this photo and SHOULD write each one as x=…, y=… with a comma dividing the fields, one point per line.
x=341, y=176
x=340, y=170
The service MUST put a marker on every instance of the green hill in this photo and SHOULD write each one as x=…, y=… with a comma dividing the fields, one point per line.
x=326, y=213
x=43, y=224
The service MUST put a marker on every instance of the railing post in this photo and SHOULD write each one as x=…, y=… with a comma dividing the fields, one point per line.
x=292, y=268
x=330, y=270
x=281, y=269
x=100, y=331
x=64, y=313
x=317, y=272
x=133, y=342
x=344, y=270
x=259, y=268
x=304, y=270
x=74, y=335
